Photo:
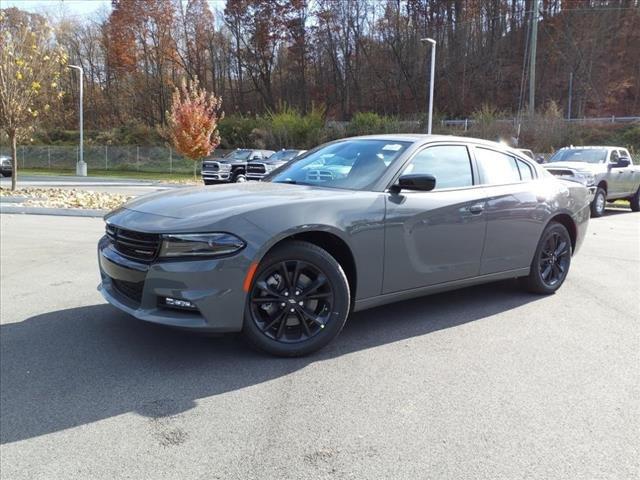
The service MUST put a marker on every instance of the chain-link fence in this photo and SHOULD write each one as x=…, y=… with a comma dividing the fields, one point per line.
x=107, y=157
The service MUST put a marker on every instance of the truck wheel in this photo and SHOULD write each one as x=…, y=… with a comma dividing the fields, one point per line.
x=239, y=178
x=634, y=202
x=598, y=203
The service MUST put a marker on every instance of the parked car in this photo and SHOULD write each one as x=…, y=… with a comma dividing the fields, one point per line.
x=530, y=154
x=259, y=169
x=527, y=152
x=6, y=167
x=232, y=167
x=608, y=171
x=287, y=259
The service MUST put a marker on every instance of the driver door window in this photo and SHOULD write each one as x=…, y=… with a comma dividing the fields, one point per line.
x=449, y=164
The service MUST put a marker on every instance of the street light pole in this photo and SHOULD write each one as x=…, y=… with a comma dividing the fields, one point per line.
x=431, y=82
x=81, y=166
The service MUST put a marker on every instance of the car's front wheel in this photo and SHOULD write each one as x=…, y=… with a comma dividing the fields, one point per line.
x=298, y=302
x=551, y=261
x=240, y=178
x=599, y=202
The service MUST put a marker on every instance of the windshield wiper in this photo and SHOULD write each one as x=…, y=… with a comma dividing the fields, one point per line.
x=289, y=181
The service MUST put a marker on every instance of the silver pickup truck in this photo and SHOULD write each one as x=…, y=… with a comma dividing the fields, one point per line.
x=608, y=172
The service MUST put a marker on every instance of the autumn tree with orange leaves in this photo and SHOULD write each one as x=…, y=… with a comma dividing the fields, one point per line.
x=192, y=124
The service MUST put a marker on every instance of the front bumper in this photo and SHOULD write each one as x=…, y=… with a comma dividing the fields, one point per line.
x=214, y=286
x=216, y=176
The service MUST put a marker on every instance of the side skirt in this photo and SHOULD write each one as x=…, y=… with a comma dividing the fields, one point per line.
x=438, y=288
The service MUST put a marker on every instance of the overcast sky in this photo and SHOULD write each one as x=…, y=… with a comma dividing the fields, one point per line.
x=75, y=7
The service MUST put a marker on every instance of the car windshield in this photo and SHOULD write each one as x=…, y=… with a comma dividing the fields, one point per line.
x=239, y=155
x=284, y=155
x=348, y=164
x=587, y=155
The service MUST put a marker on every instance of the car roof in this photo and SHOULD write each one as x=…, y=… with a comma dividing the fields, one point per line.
x=426, y=138
x=587, y=147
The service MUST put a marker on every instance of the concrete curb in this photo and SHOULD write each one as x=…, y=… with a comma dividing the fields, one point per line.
x=62, y=212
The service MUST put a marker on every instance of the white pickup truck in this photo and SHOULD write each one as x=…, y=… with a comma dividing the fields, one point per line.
x=608, y=172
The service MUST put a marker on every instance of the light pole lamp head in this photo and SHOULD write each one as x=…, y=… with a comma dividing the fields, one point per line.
x=430, y=40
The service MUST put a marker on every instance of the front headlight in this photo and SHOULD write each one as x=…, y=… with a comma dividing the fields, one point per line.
x=586, y=178
x=200, y=245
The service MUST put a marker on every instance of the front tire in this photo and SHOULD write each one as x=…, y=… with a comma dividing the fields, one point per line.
x=298, y=302
x=634, y=202
x=551, y=261
x=599, y=202
x=239, y=178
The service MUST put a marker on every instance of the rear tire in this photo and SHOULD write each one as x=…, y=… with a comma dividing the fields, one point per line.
x=301, y=312
x=599, y=202
x=634, y=202
x=551, y=261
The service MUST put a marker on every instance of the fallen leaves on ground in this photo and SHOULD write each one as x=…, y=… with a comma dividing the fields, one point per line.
x=66, y=198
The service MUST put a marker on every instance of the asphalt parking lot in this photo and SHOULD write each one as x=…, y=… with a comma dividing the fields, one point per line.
x=487, y=382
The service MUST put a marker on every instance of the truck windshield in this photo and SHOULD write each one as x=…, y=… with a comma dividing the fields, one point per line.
x=587, y=155
x=349, y=164
x=239, y=155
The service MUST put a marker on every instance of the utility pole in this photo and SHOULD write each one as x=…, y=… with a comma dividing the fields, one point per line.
x=433, y=72
x=570, y=96
x=532, y=61
x=81, y=166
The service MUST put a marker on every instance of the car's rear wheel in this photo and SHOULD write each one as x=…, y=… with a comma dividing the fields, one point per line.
x=599, y=202
x=634, y=201
x=298, y=301
x=551, y=261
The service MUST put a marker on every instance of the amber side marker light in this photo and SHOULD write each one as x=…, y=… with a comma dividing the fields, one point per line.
x=249, y=278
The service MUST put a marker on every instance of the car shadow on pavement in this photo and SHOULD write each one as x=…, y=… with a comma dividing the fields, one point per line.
x=72, y=367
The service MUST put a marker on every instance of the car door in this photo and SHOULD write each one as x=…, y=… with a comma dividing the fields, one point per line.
x=436, y=236
x=514, y=214
x=616, y=181
x=626, y=173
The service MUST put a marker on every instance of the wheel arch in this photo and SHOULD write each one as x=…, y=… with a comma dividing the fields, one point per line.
x=336, y=246
x=565, y=220
x=603, y=185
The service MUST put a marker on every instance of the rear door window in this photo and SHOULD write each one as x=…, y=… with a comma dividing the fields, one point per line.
x=526, y=173
x=496, y=168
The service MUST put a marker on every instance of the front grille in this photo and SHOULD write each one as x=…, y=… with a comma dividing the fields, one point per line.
x=211, y=166
x=258, y=169
x=131, y=290
x=134, y=245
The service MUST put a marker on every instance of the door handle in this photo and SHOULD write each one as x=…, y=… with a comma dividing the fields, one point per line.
x=476, y=209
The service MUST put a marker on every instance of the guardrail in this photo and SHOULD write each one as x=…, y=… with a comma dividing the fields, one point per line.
x=467, y=122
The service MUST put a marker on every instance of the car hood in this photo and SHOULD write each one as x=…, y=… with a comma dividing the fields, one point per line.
x=579, y=166
x=223, y=201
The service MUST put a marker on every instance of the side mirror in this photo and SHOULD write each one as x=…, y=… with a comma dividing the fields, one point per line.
x=423, y=183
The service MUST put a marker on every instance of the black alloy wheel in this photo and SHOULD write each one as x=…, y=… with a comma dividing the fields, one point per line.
x=551, y=260
x=298, y=302
x=291, y=301
x=554, y=259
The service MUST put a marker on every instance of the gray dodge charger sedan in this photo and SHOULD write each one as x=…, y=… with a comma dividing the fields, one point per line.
x=350, y=225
